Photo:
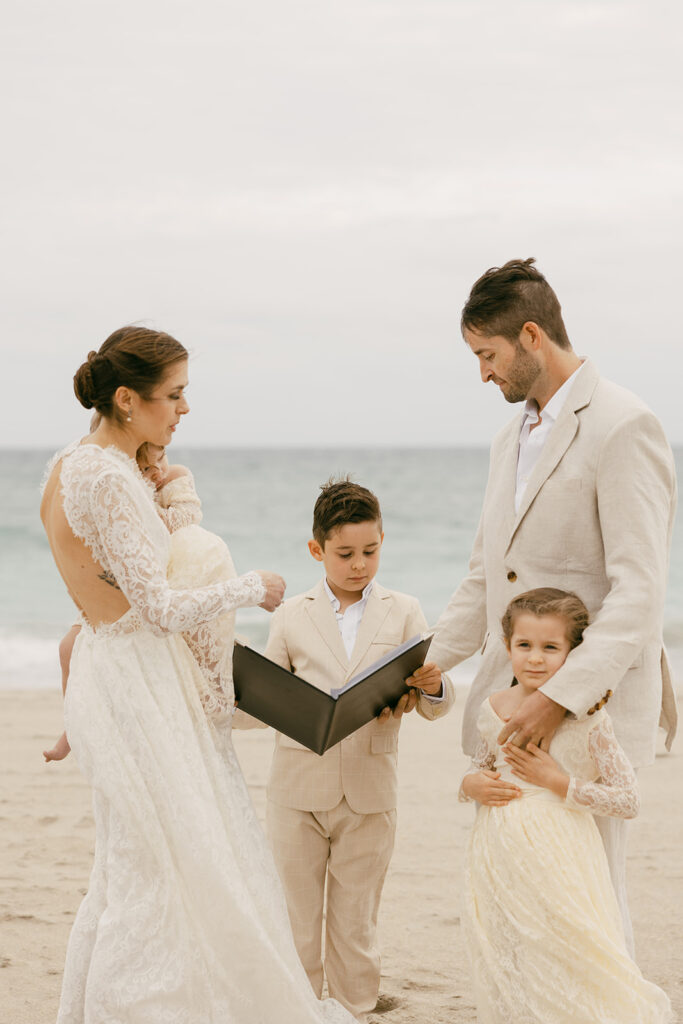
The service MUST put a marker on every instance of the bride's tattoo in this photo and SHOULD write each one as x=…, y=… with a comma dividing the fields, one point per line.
x=108, y=577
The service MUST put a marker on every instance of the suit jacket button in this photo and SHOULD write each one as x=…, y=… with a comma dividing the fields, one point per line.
x=512, y=576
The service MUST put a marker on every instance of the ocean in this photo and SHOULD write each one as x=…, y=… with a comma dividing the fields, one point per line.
x=260, y=501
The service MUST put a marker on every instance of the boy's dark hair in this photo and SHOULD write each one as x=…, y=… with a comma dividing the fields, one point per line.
x=505, y=298
x=549, y=601
x=340, y=502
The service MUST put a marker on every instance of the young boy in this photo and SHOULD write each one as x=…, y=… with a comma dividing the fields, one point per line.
x=334, y=817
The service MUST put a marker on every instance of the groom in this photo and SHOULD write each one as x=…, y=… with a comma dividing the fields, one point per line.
x=580, y=496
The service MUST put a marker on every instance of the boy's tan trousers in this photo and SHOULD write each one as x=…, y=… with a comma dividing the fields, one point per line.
x=353, y=851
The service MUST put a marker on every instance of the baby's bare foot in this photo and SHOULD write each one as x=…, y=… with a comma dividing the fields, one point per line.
x=59, y=751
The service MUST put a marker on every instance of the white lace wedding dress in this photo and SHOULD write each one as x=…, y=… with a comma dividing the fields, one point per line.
x=184, y=921
x=541, y=919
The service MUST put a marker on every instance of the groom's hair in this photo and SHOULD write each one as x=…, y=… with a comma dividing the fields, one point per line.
x=548, y=601
x=342, y=501
x=505, y=298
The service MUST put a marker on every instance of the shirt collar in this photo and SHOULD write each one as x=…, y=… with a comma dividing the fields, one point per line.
x=553, y=406
x=334, y=600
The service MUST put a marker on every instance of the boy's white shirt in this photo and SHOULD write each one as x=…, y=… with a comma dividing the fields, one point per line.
x=348, y=621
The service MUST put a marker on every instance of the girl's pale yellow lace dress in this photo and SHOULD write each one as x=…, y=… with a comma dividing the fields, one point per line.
x=542, y=923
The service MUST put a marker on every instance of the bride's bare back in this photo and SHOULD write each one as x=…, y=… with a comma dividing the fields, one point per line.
x=93, y=589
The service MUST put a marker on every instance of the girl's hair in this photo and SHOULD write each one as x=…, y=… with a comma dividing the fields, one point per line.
x=548, y=601
x=132, y=357
x=144, y=451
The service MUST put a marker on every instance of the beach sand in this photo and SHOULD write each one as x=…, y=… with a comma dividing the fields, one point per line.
x=48, y=839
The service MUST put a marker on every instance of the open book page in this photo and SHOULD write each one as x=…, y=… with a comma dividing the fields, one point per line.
x=380, y=663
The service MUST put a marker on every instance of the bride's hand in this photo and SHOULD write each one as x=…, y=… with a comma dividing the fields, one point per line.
x=275, y=590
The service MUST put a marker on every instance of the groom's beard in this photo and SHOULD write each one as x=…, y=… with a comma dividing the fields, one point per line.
x=522, y=374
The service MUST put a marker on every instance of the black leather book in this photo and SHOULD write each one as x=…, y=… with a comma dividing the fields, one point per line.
x=310, y=716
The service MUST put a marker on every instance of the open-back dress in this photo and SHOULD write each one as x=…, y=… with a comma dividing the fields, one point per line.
x=184, y=921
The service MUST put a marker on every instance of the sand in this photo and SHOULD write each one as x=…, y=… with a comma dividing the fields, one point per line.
x=48, y=839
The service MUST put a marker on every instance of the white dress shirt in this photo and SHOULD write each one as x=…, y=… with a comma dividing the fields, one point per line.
x=349, y=621
x=532, y=441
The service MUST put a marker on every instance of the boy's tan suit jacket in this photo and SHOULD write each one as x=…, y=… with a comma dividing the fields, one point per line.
x=596, y=519
x=305, y=639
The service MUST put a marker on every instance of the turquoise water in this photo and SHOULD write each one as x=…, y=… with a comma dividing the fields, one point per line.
x=261, y=502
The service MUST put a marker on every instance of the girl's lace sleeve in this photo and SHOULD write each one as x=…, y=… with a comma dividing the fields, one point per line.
x=178, y=503
x=133, y=558
x=616, y=794
x=482, y=758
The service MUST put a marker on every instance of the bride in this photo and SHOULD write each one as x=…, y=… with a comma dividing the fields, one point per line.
x=184, y=921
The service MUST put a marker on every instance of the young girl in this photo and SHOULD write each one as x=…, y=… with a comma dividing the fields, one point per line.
x=542, y=923
x=197, y=558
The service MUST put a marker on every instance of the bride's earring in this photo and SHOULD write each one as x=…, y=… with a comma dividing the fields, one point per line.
x=129, y=417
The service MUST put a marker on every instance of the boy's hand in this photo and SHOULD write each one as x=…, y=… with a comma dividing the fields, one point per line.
x=487, y=787
x=427, y=678
x=536, y=766
x=405, y=704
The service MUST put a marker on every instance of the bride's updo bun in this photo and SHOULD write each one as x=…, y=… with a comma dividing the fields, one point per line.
x=132, y=357
x=85, y=382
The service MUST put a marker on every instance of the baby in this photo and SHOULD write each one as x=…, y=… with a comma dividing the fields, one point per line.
x=174, y=490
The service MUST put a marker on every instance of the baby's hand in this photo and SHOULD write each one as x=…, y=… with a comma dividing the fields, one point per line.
x=427, y=678
x=536, y=766
x=174, y=472
x=487, y=787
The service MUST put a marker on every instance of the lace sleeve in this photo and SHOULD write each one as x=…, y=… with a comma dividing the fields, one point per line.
x=482, y=758
x=178, y=503
x=134, y=561
x=616, y=794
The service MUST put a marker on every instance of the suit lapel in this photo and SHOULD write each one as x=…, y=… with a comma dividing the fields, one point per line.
x=323, y=618
x=559, y=440
x=505, y=472
x=376, y=610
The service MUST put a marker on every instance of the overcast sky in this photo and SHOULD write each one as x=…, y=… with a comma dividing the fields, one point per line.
x=304, y=192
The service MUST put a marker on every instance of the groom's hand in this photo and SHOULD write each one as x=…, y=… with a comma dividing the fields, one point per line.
x=536, y=720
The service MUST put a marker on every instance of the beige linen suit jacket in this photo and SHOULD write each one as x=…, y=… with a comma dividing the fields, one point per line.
x=305, y=638
x=596, y=519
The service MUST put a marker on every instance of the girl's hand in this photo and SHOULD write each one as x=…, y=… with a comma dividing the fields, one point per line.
x=536, y=766
x=427, y=678
x=487, y=787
